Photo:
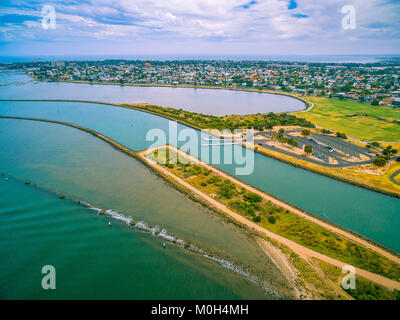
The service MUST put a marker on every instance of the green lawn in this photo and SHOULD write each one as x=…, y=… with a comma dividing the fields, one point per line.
x=331, y=114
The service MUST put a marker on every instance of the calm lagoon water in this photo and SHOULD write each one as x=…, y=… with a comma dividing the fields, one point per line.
x=216, y=102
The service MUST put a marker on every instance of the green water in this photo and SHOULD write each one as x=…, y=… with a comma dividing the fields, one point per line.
x=93, y=260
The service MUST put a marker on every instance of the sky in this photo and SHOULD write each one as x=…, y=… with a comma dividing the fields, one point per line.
x=203, y=27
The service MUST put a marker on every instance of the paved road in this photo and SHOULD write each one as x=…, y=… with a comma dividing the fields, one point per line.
x=394, y=176
x=343, y=164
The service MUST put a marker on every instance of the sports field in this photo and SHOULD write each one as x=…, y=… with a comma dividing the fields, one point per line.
x=359, y=120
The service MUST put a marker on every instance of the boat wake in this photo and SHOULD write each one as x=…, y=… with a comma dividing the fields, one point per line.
x=162, y=233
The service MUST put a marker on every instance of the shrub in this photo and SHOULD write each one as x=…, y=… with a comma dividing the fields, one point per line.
x=226, y=189
x=398, y=159
x=380, y=161
x=257, y=219
x=341, y=135
x=305, y=132
x=252, y=197
x=308, y=149
x=203, y=184
x=213, y=179
x=271, y=219
x=292, y=142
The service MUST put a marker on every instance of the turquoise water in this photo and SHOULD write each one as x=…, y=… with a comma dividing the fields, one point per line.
x=370, y=214
x=217, y=102
x=95, y=261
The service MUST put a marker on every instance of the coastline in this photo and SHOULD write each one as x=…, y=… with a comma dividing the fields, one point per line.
x=195, y=197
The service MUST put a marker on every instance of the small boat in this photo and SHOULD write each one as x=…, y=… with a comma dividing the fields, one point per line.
x=164, y=245
x=7, y=179
x=109, y=223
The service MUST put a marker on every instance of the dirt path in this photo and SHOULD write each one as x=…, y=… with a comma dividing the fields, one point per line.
x=297, y=248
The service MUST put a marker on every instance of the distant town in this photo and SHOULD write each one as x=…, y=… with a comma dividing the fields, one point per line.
x=377, y=83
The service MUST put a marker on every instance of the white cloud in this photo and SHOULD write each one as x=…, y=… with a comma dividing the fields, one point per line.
x=205, y=20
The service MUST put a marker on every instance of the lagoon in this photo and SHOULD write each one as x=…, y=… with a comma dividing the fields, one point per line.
x=208, y=101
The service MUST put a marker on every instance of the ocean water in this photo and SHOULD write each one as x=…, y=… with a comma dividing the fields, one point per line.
x=95, y=261
x=233, y=57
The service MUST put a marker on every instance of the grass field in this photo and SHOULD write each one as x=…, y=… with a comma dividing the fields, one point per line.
x=332, y=114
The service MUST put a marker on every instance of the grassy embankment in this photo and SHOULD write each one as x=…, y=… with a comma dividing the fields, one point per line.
x=231, y=122
x=334, y=114
x=370, y=178
x=278, y=220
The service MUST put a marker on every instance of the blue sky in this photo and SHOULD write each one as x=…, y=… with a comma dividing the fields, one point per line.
x=248, y=27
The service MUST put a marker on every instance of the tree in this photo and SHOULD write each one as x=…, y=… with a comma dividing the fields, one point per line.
x=380, y=161
x=308, y=149
x=305, y=132
x=341, y=135
x=375, y=102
